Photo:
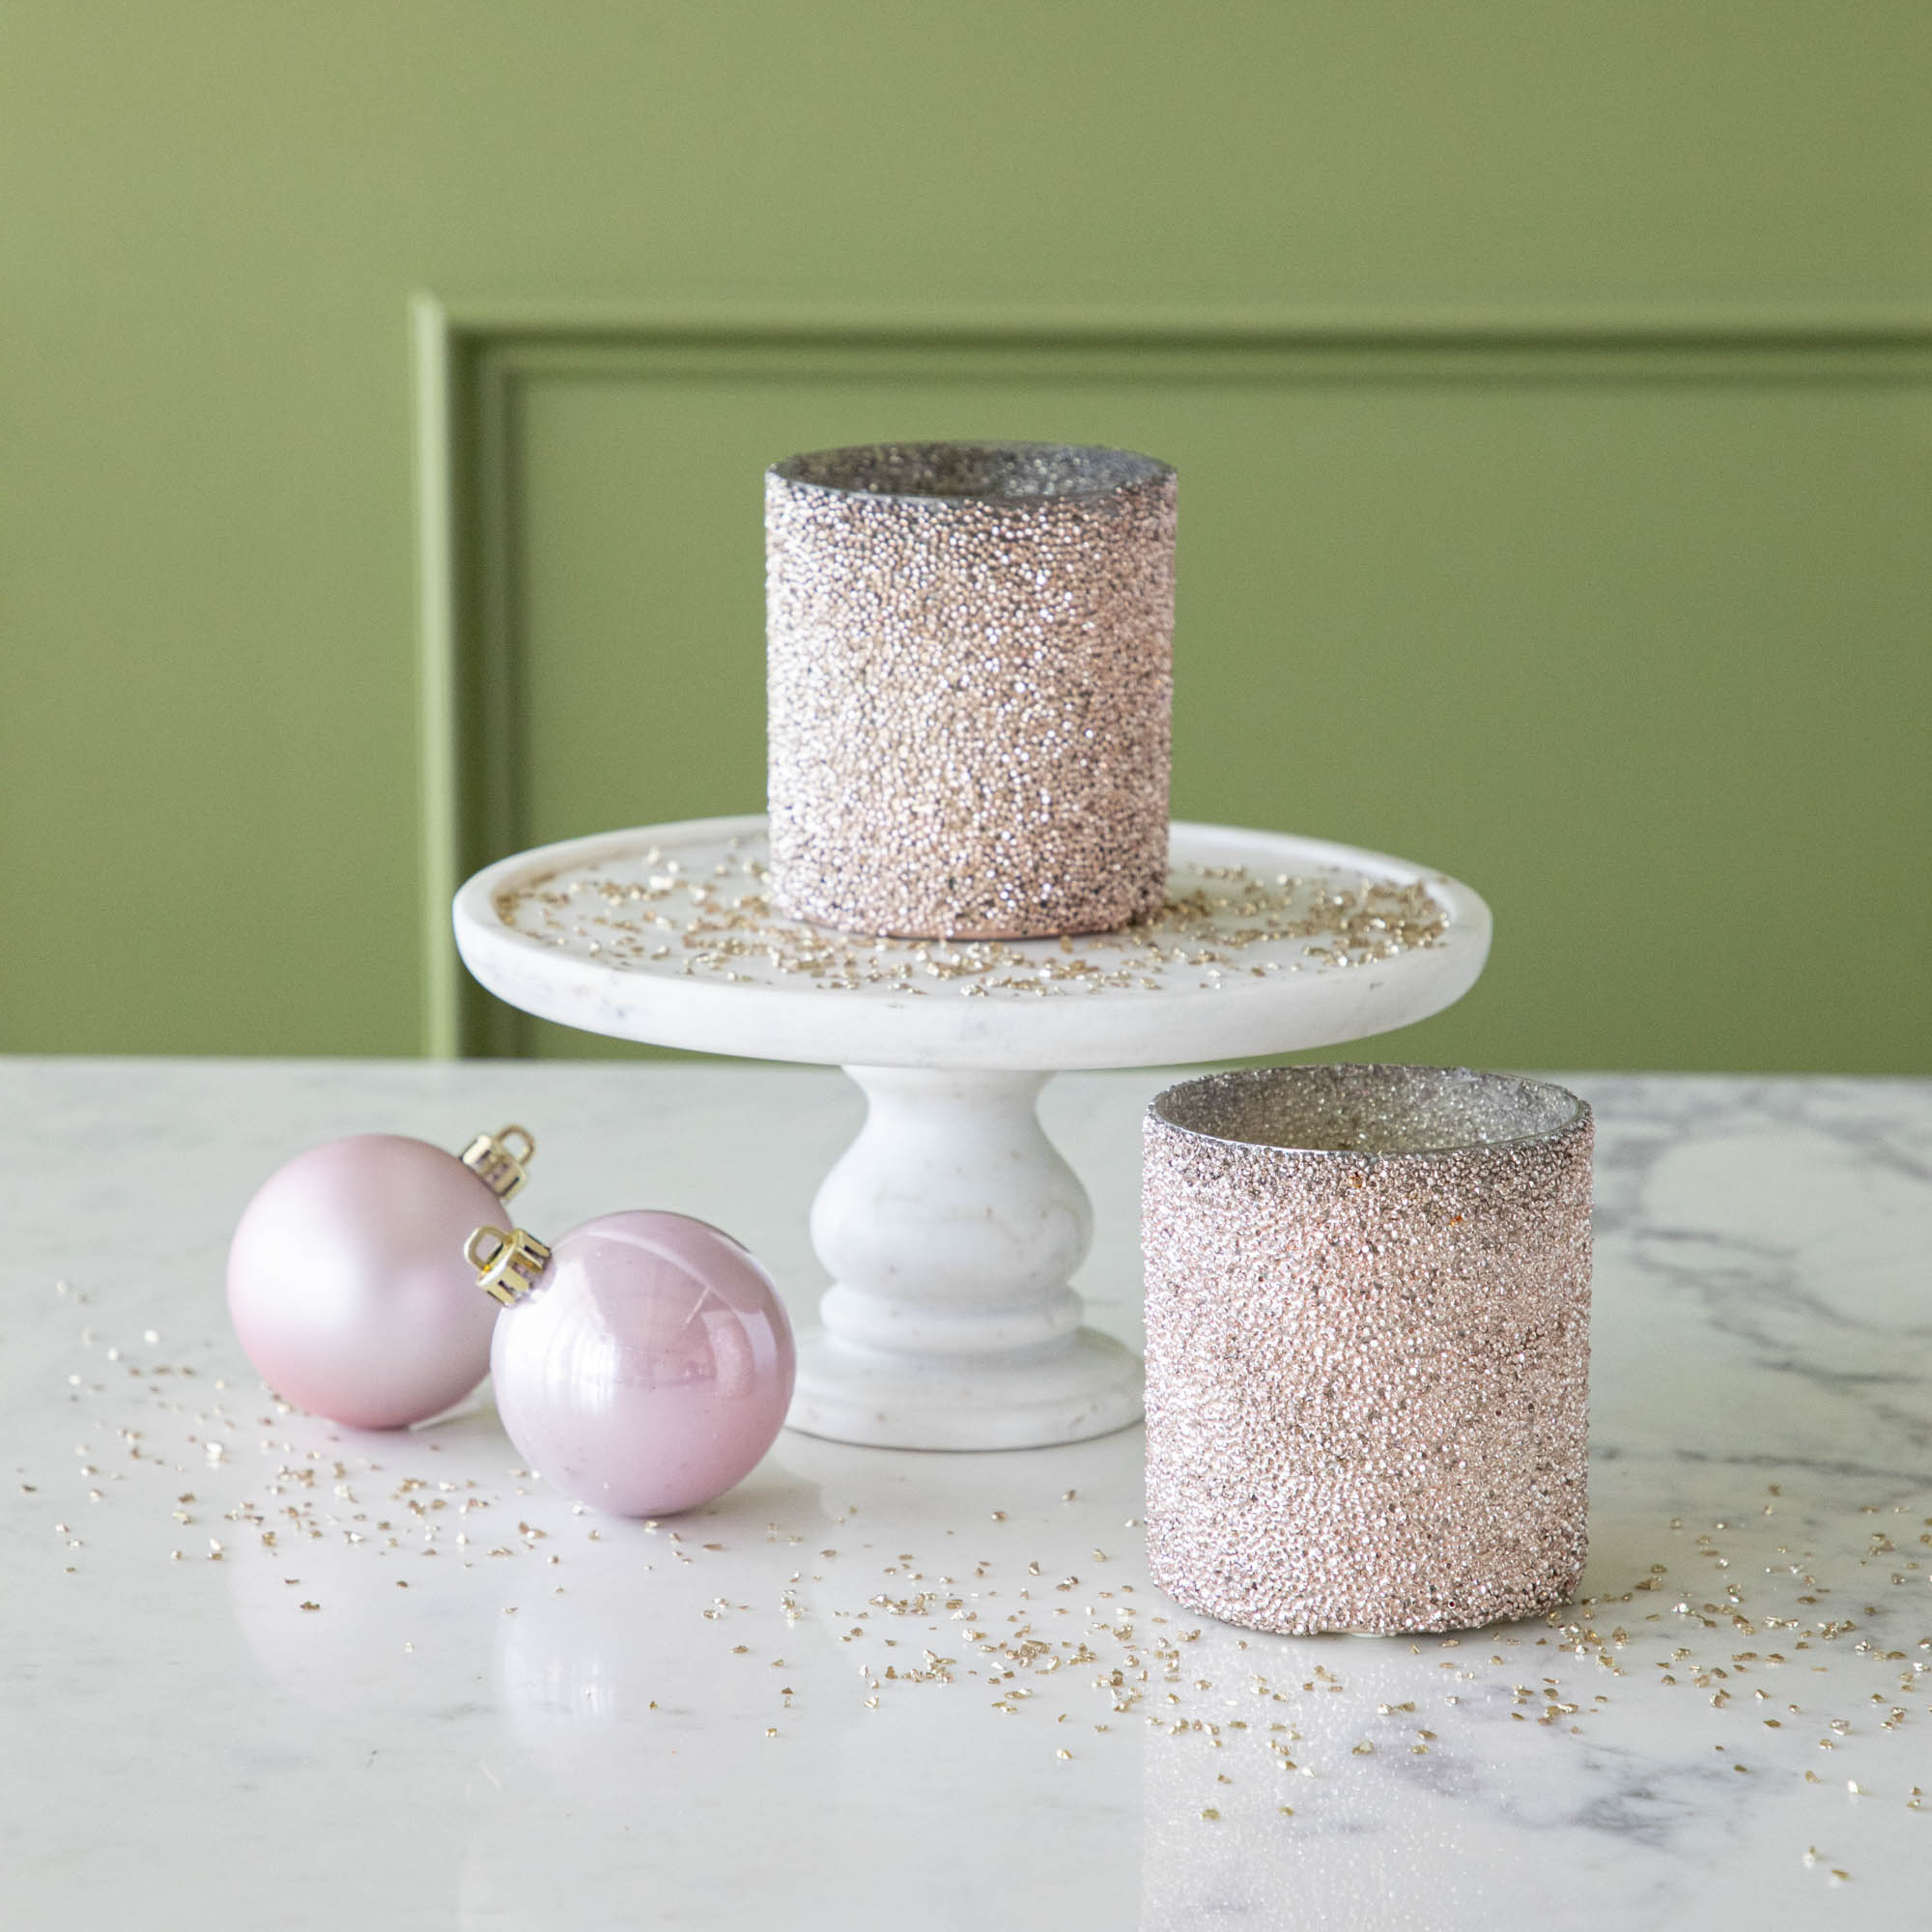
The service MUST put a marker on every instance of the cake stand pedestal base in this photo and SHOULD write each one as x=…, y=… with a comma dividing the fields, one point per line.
x=950, y=1227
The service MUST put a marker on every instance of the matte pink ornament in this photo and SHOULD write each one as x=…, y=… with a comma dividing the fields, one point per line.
x=643, y=1365
x=346, y=1282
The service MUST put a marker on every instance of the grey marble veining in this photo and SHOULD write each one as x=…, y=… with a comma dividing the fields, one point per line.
x=511, y=1742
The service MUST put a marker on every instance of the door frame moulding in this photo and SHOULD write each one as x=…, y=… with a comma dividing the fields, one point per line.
x=470, y=354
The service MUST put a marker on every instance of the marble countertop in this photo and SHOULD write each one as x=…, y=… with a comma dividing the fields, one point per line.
x=869, y=1689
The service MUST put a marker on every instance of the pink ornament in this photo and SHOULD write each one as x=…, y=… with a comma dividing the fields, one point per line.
x=644, y=1364
x=346, y=1281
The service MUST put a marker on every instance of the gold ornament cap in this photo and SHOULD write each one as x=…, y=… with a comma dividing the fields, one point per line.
x=501, y=1160
x=509, y=1262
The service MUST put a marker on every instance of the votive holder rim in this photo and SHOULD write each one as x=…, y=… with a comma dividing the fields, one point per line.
x=1147, y=469
x=1577, y=1115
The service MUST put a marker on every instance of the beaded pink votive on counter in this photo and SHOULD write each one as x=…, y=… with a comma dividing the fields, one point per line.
x=968, y=687
x=1367, y=1346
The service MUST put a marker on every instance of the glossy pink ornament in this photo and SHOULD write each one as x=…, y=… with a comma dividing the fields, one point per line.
x=644, y=1364
x=346, y=1281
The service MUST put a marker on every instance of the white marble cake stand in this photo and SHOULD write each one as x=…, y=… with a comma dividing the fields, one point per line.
x=951, y=1224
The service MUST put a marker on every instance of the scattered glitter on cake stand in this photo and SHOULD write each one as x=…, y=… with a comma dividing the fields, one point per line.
x=952, y=1226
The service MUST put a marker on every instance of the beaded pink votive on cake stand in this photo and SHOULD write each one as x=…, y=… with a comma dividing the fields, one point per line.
x=968, y=687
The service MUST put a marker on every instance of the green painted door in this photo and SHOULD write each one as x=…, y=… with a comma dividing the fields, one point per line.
x=1553, y=401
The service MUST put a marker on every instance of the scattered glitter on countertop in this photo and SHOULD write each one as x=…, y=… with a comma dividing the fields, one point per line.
x=977, y=1608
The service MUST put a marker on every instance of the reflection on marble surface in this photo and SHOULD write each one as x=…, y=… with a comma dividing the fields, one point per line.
x=870, y=1688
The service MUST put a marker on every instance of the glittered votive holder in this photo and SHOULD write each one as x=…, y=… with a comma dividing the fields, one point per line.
x=968, y=687
x=1367, y=1346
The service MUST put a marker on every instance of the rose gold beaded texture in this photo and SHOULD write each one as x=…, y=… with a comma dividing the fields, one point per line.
x=1367, y=1346
x=970, y=687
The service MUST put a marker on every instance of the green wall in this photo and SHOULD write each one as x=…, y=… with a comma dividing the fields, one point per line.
x=1552, y=390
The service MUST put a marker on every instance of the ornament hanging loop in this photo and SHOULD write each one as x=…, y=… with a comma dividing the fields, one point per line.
x=508, y=1262
x=501, y=1160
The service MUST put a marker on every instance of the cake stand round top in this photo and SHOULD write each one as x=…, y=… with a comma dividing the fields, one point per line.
x=1268, y=944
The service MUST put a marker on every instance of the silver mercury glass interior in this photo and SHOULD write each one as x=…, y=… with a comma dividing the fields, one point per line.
x=1371, y=1110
